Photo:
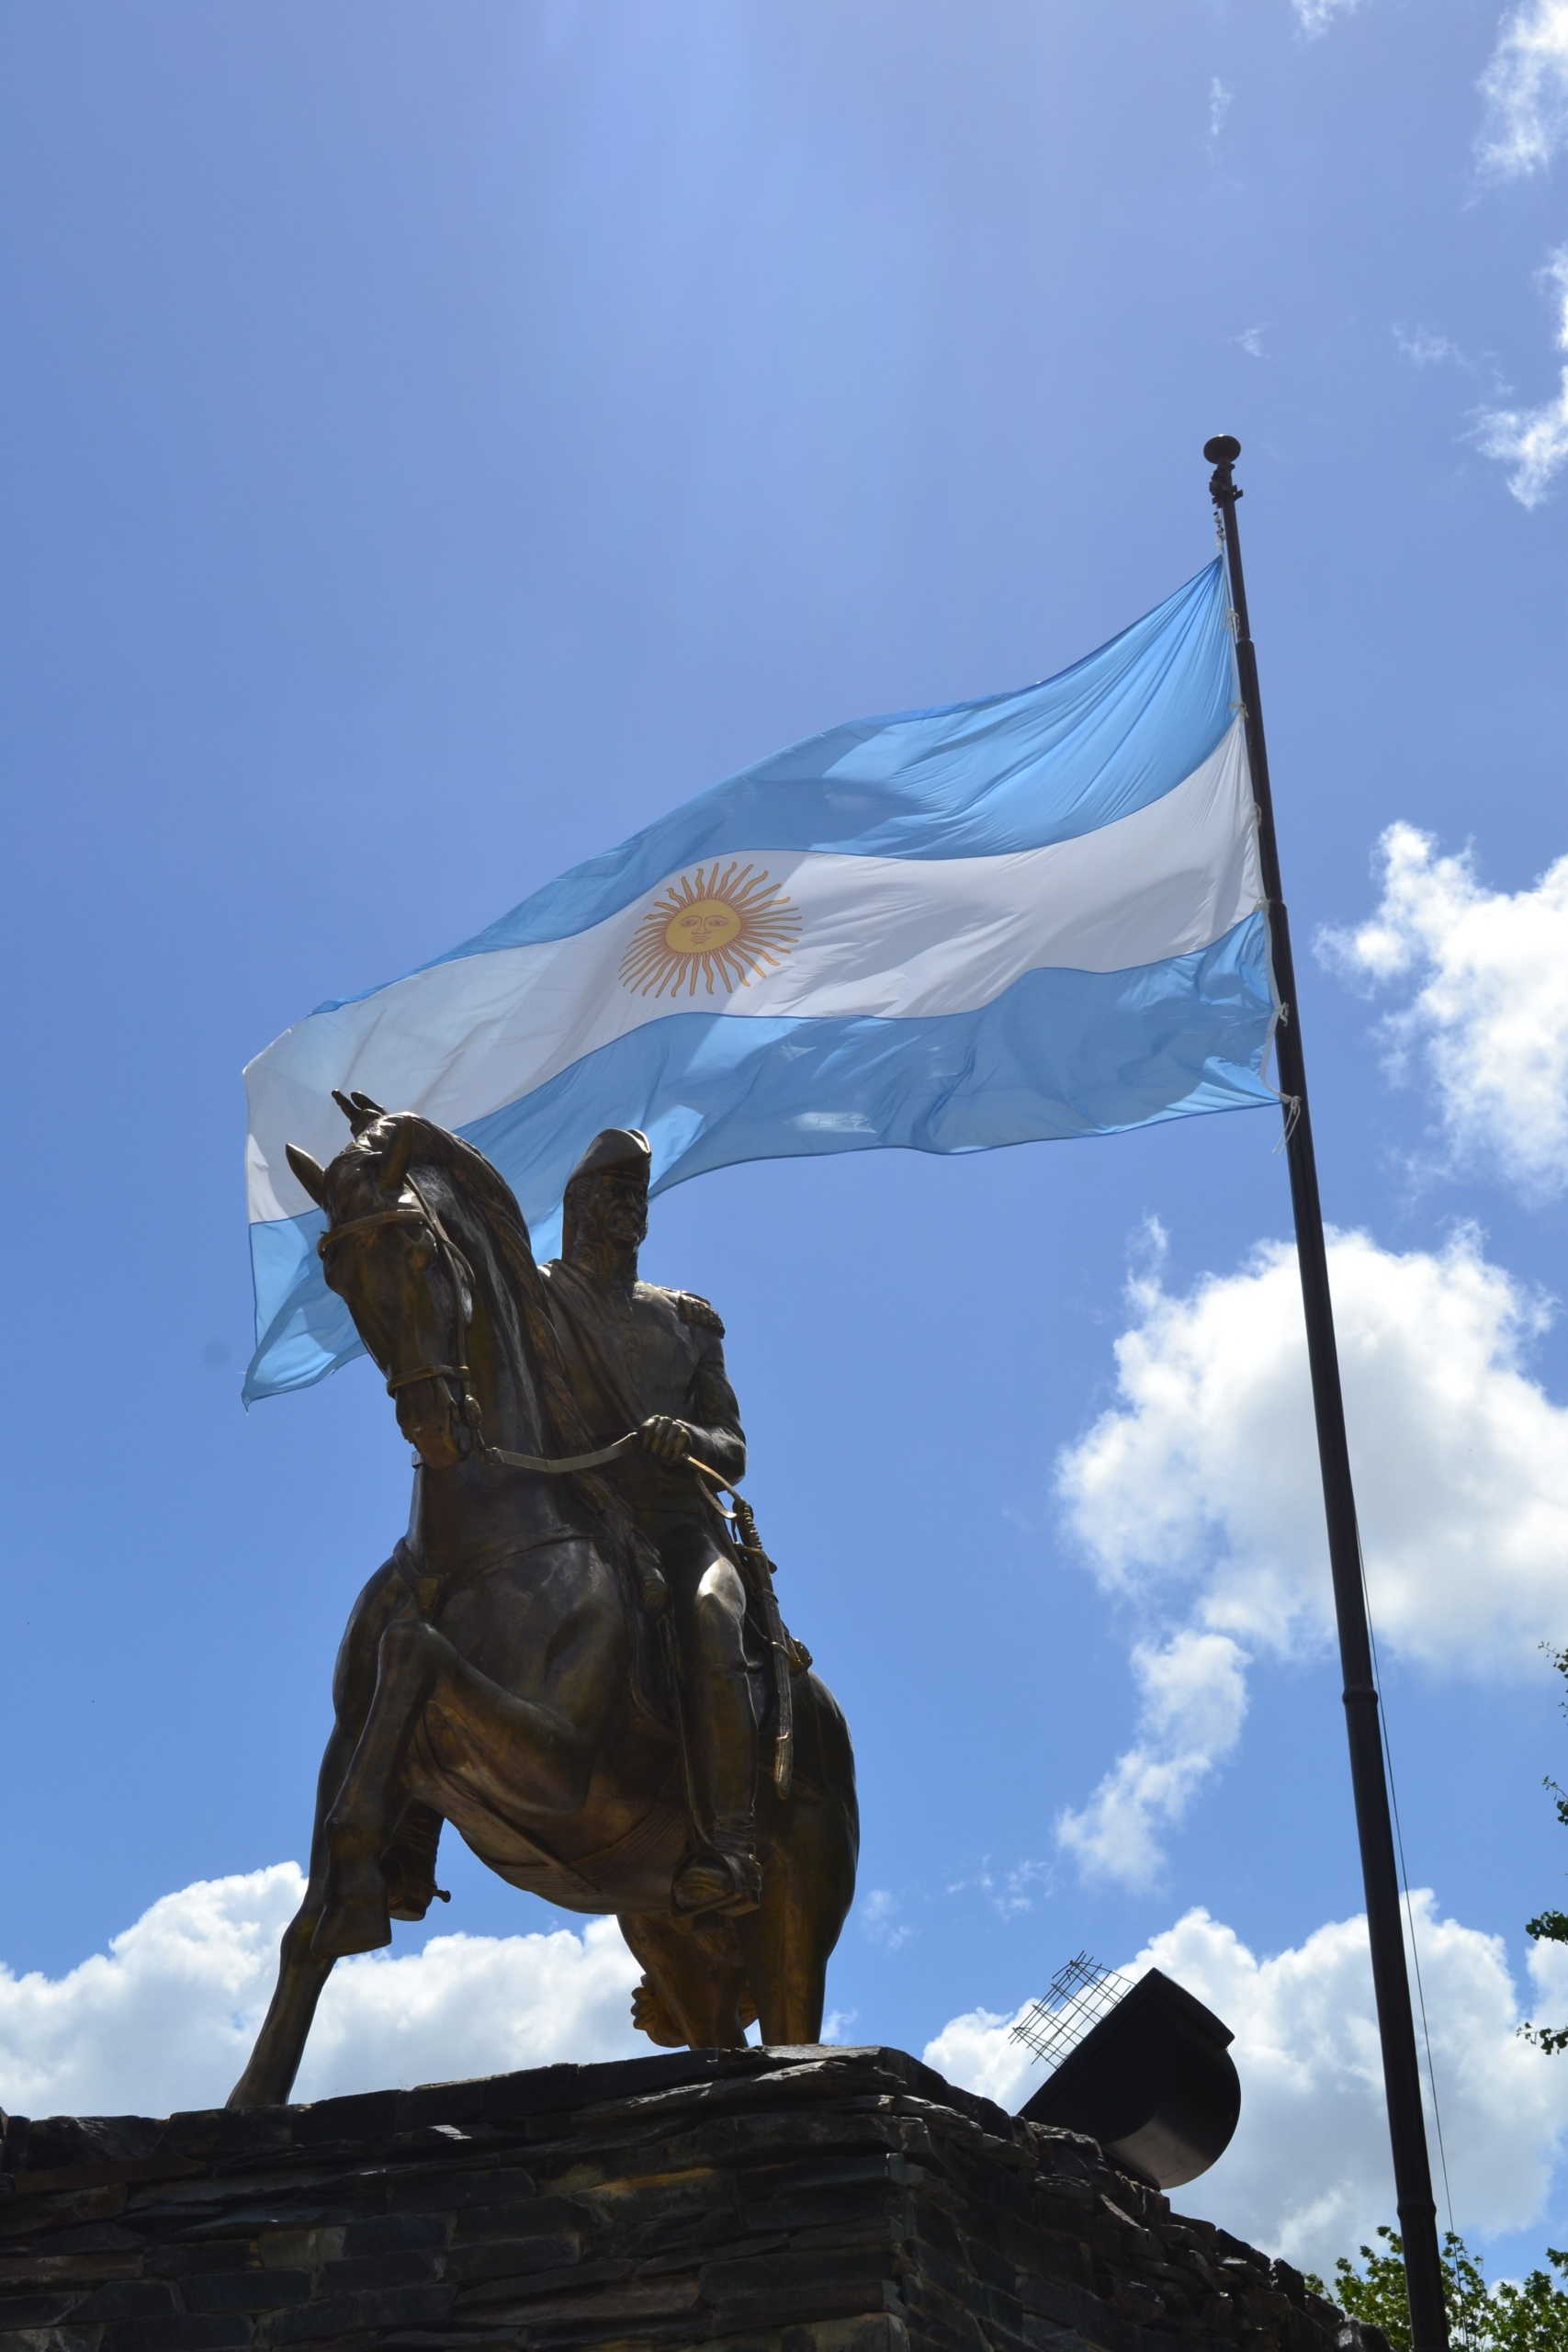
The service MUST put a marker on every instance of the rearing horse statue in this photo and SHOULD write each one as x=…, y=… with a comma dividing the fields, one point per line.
x=504, y=1669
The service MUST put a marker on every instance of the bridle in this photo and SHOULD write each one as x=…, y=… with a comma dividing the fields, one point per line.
x=755, y=1562
x=419, y=1212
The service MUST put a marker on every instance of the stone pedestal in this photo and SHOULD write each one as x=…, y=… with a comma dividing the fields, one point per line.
x=769, y=2201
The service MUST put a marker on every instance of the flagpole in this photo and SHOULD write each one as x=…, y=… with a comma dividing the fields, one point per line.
x=1396, y=2026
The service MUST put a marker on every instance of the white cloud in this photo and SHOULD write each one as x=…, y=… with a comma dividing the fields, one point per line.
x=1307, y=2175
x=1251, y=341
x=1534, y=441
x=1192, y=1703
x=1222, y=98
x=878, y=1910
x=977, y=2052
x=1487, y=1020
x=1196, y=1496
x=1314, y=16
x=1526, y=89
x=166, y=2017
x=1424, y=349
x=1011, y=1892
x=1201, y=1481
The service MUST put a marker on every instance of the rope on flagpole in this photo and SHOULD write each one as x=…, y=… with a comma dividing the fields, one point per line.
x=1409, y=1906
x=1369, y=1777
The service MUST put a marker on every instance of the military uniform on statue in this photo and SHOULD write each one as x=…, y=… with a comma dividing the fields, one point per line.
x=642, y=1357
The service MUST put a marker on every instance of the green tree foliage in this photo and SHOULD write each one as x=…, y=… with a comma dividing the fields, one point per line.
x=1507, y=2318
x=1551, y=1926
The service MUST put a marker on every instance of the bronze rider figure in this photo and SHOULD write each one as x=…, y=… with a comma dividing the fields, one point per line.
x=651, y=1359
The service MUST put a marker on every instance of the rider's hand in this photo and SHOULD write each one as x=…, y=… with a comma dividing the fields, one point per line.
x=667, y=1439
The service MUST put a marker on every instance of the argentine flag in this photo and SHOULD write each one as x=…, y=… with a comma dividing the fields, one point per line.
x=1034, y=916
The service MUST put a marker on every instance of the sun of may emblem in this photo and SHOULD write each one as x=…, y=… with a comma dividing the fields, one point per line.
x=722, y=925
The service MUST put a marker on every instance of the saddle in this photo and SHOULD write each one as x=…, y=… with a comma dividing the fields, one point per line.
x=655, y=1663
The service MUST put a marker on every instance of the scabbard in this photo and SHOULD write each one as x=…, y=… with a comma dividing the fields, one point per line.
x=757, y=1570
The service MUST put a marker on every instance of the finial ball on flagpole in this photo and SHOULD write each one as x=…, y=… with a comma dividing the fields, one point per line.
x=1222, y=451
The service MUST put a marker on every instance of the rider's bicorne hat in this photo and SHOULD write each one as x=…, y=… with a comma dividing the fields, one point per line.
x=624, y=1152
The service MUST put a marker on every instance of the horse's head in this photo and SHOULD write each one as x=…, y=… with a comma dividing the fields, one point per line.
x=408, y=1286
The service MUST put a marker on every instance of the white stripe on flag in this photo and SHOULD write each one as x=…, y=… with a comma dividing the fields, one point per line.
x=853, y=937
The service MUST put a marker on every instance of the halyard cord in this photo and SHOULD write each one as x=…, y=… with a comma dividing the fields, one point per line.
x=1291, y=1105
x=1409, y=1912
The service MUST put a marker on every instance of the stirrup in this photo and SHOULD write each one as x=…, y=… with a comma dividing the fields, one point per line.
x=407, y=1901
x=715, y=1880
x=408, y=1864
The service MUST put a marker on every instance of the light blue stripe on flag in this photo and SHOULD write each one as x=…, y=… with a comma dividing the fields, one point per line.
x=1026, y=918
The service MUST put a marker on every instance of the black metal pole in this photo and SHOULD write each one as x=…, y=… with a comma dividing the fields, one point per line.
x=1396, y=2026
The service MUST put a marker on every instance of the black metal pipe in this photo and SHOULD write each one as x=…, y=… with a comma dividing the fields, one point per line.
x=1397, y=2025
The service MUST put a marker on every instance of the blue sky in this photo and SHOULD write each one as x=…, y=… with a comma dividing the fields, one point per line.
x=441, y=442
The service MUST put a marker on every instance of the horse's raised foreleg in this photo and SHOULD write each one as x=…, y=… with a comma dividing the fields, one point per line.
x=543, y=1754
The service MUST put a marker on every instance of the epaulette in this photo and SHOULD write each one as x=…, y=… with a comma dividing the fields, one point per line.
x=697, y=1312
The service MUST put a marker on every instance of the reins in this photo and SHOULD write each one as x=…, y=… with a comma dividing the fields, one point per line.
x=756, y=1567
x=419, y=1212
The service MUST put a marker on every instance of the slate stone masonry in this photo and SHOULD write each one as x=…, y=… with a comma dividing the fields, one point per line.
x=768, y=2201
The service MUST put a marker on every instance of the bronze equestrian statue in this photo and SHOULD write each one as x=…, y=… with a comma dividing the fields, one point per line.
x=573, y=1656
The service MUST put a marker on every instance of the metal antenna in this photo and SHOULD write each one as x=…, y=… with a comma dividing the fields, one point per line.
x=1080, y=1994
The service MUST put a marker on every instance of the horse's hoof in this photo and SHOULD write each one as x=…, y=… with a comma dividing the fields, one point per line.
x=652, y=2016
x=358, y=1922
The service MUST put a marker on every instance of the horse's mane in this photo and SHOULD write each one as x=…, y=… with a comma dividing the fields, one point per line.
x=483, y=1210
x=482, y=1197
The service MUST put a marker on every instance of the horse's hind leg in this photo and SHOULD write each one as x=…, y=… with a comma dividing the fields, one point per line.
x=787, y=1945
x=808, y=1881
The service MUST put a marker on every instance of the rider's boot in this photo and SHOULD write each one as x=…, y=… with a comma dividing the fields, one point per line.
x=720, y=1872
x=409, y=1864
